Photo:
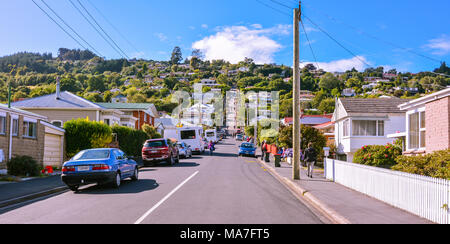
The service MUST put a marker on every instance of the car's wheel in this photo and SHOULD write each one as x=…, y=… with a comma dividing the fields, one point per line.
x=117, y=180
x=74, y=188
x=135, y=176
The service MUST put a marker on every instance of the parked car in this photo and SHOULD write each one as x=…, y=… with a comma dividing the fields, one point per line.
x=239, y=137
x=101, y=166
x=160, y=150
x=184, y=150
x=247, y=149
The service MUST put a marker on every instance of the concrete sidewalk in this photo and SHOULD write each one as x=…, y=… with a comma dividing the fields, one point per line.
x=17, y=192
x=340, y=204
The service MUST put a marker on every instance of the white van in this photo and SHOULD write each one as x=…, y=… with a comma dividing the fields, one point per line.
x=192, y=136
x=211, y=135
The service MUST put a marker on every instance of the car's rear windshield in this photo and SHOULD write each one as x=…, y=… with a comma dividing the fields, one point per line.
x=92, y=154
x=247, y=145
x=187, y=135
x=210, y=134
x=161, y=143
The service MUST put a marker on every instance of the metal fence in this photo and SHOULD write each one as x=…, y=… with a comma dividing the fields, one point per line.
x=424, y=196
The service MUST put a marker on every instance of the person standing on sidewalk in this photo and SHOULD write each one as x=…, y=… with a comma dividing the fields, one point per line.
x=310, y=159
x=263, y=150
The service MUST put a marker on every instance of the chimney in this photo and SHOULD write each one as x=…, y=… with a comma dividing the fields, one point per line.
x=57, y=88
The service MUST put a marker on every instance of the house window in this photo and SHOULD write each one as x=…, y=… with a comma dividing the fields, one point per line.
x=417, y=131
x=57, y=123
x=29, y=129
x=2, y=125
x=107, y=121
x=347, y=128
x=15, y=131
x=368, y=128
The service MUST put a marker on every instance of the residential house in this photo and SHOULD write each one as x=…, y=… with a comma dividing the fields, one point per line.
x=119, y=99
x=361, y=122
x=61, y=107
x=327, y=130
x=348, y=92
x=21, y=134
x=135, y=115
x=427, y=124
x=308, y=120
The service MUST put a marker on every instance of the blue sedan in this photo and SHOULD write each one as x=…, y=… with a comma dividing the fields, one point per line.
x=247, y=149
x=101, y=166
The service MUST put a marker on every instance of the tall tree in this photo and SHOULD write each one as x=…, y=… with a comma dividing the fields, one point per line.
x=176, y=56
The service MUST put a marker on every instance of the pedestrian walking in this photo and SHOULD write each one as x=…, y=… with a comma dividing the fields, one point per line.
x=211, y=147
x=310, y=159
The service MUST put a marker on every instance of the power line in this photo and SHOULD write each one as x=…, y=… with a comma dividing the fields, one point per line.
x=336, y=41
x=98, y=53
x=115, y=28
x=309, y=43
x=359, y=31
x=102, y=28
x=275, y=9
x=93, y=26
x=62, y=28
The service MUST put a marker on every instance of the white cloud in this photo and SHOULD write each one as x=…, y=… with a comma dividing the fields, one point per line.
x=341, y=65
x=138, y=55
x=161, y=36
x=441, y=46
x=205, y=26
x=235, y=43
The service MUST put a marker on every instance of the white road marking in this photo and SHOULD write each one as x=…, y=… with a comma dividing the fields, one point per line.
x=164, y=199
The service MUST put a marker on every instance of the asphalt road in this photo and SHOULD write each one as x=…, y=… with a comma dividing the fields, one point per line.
x=218, y=189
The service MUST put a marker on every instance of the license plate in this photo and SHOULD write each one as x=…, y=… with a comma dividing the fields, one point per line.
x=83, y=168
x=153, y=151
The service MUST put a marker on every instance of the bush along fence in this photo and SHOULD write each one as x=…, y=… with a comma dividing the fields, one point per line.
x=82, y=134
x=424, y=196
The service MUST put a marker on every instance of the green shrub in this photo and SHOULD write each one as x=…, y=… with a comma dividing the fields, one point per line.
x=23, y=166
x=82, y=134
x=377, y=155
x=130, y=140
x=435, y=165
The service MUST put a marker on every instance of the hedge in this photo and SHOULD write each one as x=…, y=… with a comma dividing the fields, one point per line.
x=82, y=134
x=377, y=155
x=436, y=165
x=130, y=140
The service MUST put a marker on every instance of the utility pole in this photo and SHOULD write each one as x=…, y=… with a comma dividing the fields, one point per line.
x=297, y=111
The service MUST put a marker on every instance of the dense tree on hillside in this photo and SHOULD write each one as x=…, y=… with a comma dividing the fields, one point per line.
x=177, y=56
x=74, y=54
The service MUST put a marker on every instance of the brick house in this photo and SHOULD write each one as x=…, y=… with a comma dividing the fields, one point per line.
x=139, y=113
x=427, y=124
x=22, y=133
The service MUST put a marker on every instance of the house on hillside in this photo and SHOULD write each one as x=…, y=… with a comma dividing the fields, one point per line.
x=427, y=124
x=361, y=122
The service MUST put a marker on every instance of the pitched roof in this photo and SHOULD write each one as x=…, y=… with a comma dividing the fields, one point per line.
x=372, y=105
x=66, y=100
x=130, y=106
x=20, y=111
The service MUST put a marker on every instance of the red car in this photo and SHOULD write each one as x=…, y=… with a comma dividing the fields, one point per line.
x=160, y=150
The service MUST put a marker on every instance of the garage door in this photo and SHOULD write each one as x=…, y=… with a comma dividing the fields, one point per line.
x=52, y=150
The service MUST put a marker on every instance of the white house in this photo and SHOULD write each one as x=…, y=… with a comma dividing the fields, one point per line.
x=361, y=122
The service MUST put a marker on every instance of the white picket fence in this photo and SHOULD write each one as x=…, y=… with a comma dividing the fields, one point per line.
x=424, y=196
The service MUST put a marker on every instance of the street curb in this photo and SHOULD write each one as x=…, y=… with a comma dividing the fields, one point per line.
x=303, y=194
x=32, y=196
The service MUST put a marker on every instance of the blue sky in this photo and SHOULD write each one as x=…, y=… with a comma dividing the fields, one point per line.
x=235, y=29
